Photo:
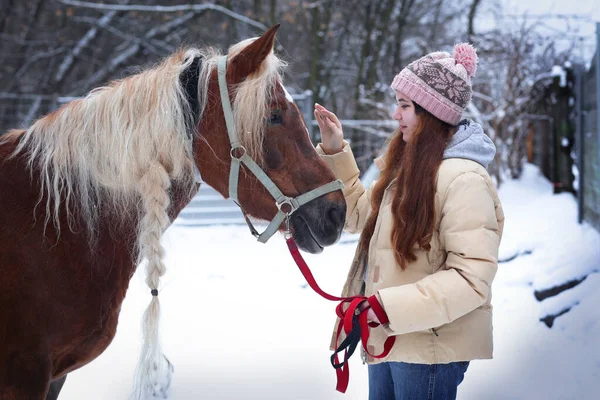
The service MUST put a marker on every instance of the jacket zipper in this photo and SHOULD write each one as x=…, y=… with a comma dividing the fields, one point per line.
x=434, y=332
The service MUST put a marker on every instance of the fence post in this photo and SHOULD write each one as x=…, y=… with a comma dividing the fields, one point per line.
x=598, y=86
x=305, y=104
x=308, y=114
x=579, y=136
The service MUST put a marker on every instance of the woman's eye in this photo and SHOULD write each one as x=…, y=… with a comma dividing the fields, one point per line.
x=276, y=118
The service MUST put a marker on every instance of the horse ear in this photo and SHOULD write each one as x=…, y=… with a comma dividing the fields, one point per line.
x=252, y=56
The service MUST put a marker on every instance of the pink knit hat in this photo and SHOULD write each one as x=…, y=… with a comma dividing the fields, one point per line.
x=440, y=83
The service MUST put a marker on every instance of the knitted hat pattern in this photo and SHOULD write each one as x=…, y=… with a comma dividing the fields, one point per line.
x=440, y=82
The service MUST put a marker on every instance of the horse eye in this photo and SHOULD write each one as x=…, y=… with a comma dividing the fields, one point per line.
x=276, y=118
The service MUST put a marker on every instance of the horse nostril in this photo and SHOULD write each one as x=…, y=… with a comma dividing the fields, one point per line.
x=337, y=215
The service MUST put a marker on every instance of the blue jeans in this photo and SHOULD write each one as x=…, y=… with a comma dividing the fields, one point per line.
x=403, y=381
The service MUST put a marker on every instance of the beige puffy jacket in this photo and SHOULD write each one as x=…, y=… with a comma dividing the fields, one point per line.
x=439, y=307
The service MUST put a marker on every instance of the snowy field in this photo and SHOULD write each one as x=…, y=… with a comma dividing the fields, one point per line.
x=239, y=323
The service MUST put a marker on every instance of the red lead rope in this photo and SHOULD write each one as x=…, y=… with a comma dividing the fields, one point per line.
x=353, y=320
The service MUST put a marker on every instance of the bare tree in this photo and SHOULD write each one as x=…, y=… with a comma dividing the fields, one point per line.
x=513, y=63
x=345, y=51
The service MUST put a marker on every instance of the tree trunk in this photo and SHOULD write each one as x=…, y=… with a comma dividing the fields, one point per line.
x=313, y=80
x=436, y=24
x=365, y=52
x=385, y=10
x=472, y=13
x=273, y=12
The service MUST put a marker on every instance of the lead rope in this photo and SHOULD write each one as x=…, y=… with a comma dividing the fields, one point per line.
x=352, y=312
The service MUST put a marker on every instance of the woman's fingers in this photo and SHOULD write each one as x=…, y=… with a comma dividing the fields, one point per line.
x=330, y=117
x=330, y=127
x=331, y=130
x=320, y=120
x=322, y=110
x=325, y=112
x=323, y=115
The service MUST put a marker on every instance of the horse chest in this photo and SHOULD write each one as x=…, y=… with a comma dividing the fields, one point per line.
x=91, y=322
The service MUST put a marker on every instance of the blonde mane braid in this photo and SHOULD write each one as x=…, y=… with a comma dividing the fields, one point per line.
x=153, y=188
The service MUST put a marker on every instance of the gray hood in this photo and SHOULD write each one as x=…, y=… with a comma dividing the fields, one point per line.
x=469, y=142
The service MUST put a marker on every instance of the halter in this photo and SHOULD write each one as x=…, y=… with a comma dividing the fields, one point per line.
x=285, y=205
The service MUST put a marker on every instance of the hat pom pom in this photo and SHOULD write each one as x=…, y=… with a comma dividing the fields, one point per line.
x=466, y=55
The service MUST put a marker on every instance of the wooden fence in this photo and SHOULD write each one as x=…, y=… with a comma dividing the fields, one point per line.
x=587, y=122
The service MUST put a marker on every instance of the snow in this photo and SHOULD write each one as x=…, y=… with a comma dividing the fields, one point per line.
x=239, y=322
x=575, y=172
x=561, y=73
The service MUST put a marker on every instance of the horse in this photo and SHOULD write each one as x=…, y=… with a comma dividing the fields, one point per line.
x=87, y=191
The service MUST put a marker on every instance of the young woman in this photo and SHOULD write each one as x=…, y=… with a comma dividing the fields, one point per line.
x=431, y=227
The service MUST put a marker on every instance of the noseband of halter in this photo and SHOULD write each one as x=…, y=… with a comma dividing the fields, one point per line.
x=285, y=205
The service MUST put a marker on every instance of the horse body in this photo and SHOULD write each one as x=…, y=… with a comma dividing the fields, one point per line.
x=63, y=300
x=74, y=227
x=53, y=308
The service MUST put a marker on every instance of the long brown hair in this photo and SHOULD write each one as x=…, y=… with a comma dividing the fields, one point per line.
x=414, y=167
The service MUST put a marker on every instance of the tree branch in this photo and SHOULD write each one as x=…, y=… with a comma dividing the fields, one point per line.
x=472, y=12
x=82, y=44
x=35, y=58
x=165, y=9
x=150, y=46
x=134, y=48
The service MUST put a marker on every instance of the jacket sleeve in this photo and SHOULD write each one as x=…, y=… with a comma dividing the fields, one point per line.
x=470, y=234
x=358, y=199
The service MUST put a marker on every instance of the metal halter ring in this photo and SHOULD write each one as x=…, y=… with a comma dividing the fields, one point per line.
x=241, y=148
x=289, y=202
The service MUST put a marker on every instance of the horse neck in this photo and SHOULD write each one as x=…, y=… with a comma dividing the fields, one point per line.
x=180, y=196
x=118, y=234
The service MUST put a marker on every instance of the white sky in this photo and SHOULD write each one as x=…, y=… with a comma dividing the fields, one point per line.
x=588, y=9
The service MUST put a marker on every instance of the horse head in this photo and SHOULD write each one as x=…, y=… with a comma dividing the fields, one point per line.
x=273, y=133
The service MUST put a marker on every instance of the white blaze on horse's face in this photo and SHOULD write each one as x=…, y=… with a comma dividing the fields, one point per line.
x=288, y=96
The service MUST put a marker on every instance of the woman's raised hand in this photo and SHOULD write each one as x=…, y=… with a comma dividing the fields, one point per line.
x=332, y=136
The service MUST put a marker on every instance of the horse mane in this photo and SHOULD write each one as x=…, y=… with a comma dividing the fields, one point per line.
x=101, y=146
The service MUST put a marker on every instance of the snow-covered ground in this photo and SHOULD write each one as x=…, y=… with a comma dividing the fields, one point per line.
x=239, y=323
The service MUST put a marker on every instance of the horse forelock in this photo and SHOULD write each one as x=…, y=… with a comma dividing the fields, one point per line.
x=253, y=98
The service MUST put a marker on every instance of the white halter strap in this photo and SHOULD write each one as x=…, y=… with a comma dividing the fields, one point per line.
x=286, y=205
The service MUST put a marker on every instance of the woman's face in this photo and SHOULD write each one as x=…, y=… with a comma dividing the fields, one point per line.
x=406, y=116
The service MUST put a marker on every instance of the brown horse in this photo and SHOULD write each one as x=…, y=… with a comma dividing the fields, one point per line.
x=87, y=191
